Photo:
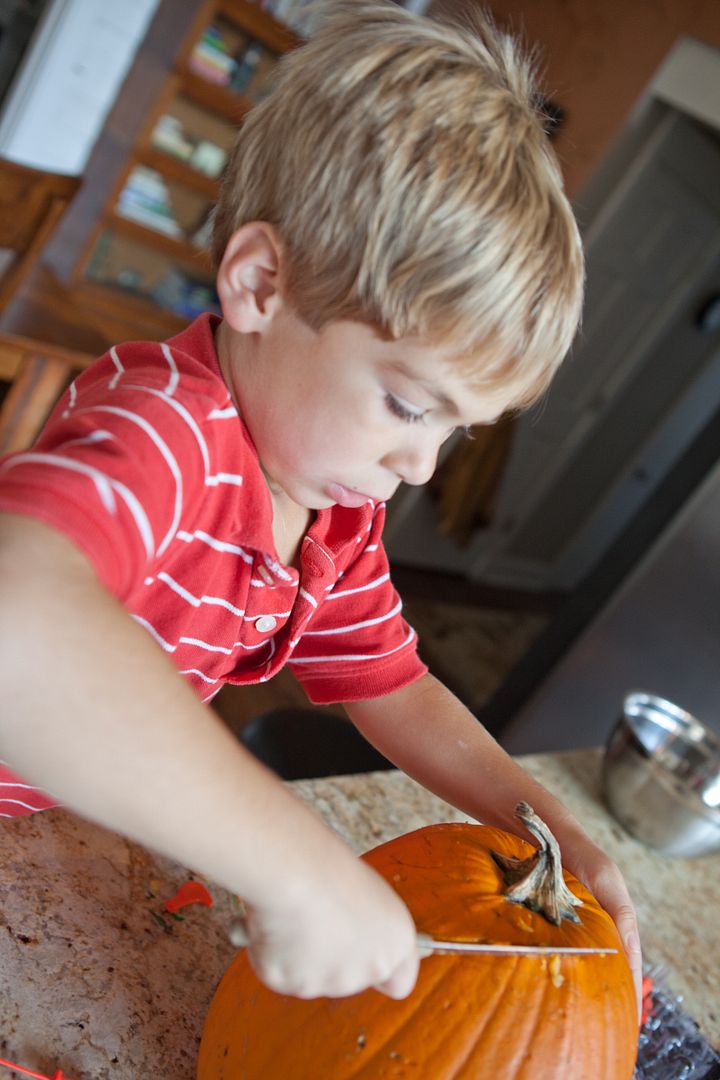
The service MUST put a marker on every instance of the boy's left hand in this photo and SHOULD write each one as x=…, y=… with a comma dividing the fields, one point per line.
x=475, y=774
x=603, y=878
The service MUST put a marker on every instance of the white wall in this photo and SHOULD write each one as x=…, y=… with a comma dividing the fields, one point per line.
x=70, y=79
x=659, y=633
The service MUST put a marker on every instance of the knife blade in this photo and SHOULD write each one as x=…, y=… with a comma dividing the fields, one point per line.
x=429, y=944
x=237, y=933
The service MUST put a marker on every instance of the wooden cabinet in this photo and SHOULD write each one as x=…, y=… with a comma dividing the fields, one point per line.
x=144, y=257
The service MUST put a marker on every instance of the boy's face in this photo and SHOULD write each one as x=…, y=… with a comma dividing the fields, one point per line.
x=342, y=415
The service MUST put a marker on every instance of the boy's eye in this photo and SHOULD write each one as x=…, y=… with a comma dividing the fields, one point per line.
x=404, y=410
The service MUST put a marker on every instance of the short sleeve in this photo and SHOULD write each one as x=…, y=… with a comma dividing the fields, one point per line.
x=358, y=645
x=119, y=466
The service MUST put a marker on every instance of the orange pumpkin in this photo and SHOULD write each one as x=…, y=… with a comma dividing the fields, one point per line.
x=472, y=1017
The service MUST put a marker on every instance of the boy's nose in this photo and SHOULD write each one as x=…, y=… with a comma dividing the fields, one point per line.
x=416, y=463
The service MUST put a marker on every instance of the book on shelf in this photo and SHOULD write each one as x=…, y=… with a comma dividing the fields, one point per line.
x=171, y=138
x=298, y=14
x=290, y=12
x=145, y=199
x=185, y=295
x=211, y=58
x=150, y=218
x=245, y=68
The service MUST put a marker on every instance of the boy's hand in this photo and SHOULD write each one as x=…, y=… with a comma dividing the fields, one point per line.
x=348, y=936
x=411, y=725
x=605, y=881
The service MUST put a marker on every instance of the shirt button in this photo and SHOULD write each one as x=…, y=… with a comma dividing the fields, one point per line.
x=265, y=624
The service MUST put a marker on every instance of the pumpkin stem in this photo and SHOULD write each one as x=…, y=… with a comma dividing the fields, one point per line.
x=537, y=882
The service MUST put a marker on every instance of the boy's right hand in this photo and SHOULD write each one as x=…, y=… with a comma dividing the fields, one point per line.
x=349, y=936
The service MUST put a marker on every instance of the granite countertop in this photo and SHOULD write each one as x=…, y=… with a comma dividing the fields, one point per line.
x=98, y=982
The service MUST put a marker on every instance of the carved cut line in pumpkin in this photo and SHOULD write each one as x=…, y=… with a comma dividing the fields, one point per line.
x=469, y=1017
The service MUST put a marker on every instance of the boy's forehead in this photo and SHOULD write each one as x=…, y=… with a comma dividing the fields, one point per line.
x=448, y=373
x=454, y=380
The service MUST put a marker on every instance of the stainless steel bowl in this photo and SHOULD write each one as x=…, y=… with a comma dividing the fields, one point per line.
x=661, y=777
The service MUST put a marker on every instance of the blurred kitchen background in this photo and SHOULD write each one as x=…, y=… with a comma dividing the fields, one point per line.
x=568, y=555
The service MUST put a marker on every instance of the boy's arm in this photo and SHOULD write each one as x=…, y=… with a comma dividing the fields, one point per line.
x=94, y=712
x=429, y=734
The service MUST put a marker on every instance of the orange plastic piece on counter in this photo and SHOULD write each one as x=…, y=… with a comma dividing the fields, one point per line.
x=192, y=892
x=58, y=1075
x=647, y=988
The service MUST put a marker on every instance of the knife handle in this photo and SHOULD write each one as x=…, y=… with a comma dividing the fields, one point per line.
x=237, y=932
x=425, y=944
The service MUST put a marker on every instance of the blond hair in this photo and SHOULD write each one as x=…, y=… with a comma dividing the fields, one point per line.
x=406, y=166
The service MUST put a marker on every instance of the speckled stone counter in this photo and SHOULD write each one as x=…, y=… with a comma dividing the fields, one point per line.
x=96, y=980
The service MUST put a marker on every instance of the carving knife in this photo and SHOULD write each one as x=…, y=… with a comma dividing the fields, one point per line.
x=427, y=945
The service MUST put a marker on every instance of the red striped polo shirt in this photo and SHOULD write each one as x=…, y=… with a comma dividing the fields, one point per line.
x=146, y=466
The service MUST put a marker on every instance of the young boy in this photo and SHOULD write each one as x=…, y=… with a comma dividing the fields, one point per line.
x=396, y=260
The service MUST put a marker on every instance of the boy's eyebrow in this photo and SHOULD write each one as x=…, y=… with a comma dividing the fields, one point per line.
x=440, y=396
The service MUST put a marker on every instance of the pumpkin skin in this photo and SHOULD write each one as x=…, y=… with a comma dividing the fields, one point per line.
x=469, y=1017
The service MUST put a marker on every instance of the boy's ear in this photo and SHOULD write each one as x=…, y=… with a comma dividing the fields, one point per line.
x=249, y=277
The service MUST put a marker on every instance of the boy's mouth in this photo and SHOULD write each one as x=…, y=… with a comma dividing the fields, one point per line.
x=348, y=497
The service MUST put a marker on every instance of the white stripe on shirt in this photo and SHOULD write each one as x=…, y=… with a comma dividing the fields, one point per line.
x=223, y=414
x=166, y=453
x=184, y=414
x=194, y=671
x=196, y=601
x=277, y=569
x=217, y=545
x=224, y=478
x=327, y=555
x=351, y=656
x=222, y=648
x=72, y=389
x=357, y=625
x=15, y=784
x=18, y=802
x=120, y=369
x=151, y=629
x=362, y=588
x=175, y=374
x=106, y=487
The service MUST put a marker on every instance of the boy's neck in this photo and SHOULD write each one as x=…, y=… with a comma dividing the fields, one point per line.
x=290, y=520
x=290, y=523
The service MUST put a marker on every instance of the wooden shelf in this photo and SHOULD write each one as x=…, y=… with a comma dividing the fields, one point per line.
x=217, y=99
x=112, y=301
x=178, y=249
x=152, y=98
x=178, y=171
x=258, y=24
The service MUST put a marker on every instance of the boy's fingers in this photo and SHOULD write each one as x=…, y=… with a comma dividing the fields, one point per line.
x=624, y=918
x=402, y=981
x=608, y=886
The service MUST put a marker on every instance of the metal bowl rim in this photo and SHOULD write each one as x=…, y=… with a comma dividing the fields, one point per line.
x=685, y=720
x=682, y=721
